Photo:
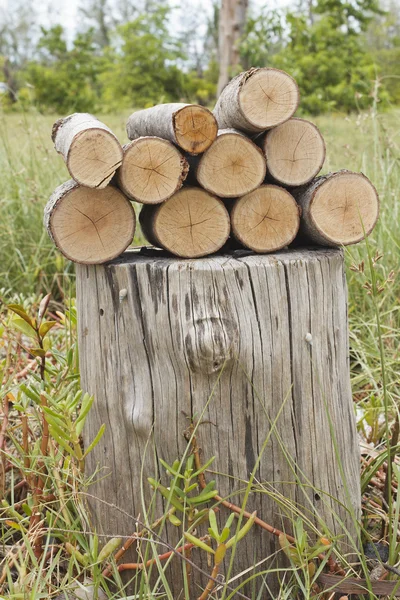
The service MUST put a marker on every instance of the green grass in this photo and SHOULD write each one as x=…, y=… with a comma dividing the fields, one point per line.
x=30, y=266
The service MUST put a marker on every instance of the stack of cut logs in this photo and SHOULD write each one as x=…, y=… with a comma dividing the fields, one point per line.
x=243, y=175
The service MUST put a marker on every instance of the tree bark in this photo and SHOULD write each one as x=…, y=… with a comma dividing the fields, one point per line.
x=190, y=126
x=337, y=209
x=257, y=100
x=256, y=339
x=232, y=21
x=152, y=170
x=90, y=150
x=190, y=224
x=89, y=226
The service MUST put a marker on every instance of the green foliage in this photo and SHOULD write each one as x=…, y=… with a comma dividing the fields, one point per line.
x=328, y=60
x=142, y=69
x=64, y=80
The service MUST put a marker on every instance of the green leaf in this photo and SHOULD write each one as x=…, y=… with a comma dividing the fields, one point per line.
x=224, y=535
x=229, y=521
x=202, y=498
x=170, y=469
x=242, y=532
x=199, y=543
x=61, y=441
x=167, y=494
x=213, y=523
x=96, y=440
x=21, y=312
x=204, y=467
x=109, y=548
x=37, y=352
x=87, y=402
x=45, y=328
x=23, y=327
x=27, y=509
x=174, y=520
x=32, y=394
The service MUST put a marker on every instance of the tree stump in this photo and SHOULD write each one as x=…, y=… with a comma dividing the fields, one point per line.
x=260, y=335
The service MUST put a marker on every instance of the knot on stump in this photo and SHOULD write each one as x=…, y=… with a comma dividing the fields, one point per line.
x=210, y=343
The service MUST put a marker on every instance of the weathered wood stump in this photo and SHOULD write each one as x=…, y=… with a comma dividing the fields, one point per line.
x=154, y=334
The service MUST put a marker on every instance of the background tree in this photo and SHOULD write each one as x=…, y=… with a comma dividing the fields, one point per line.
x=232, y=21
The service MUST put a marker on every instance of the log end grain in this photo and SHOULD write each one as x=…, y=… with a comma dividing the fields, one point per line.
x=266, y=220
x=152, y=170
x=93, y=157
x=232, y=166
x=195, y=128
x=295, y=152
x=89, y=226
x=192, y=223
x=268, y=97
x=340, y=209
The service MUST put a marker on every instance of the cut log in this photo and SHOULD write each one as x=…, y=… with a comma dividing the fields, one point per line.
x=152, y=170
x=190, y=224
x=232, y=166
x=265, y=220
x=260, y=344
x=257, y=100
x=295, y=152
x=89, y=226
x=190, y=126
x=338, y=209
x=90, y=150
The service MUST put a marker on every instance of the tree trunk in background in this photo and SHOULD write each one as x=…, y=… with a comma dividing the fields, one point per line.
x=232, y=19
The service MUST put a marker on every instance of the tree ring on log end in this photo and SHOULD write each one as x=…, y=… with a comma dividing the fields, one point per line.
x=295, y=152
x=152, y=170
x=268, y=97
x=93, y=157
x=92, y=226
x=344, y=208
x=232, y=166
x=190, y=224
x=266, y=220
x=195, y=128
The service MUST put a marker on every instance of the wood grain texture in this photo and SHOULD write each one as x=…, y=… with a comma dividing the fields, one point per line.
x=89, y=148
x=256, y=100
x=154, y=334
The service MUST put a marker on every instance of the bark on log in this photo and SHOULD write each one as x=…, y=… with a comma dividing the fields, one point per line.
x=294, y=151
x=90, y=150
x=337, y=209
x=89, y=226
x=192, y=223
x=257, y=100
x=265, y=220
x=232, y=166
x=152, y=170
x=258, y=336
x=190, y=126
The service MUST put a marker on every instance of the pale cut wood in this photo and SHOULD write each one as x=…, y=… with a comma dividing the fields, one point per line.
x=265, y=220
x=338, y=209
x=90, y=150
x=257, y=100
x=89, y=226
x=232, y=166
x=154, y=334
x=152, y=170
x=295, y=152
x=190, y=126
x=190, y=224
